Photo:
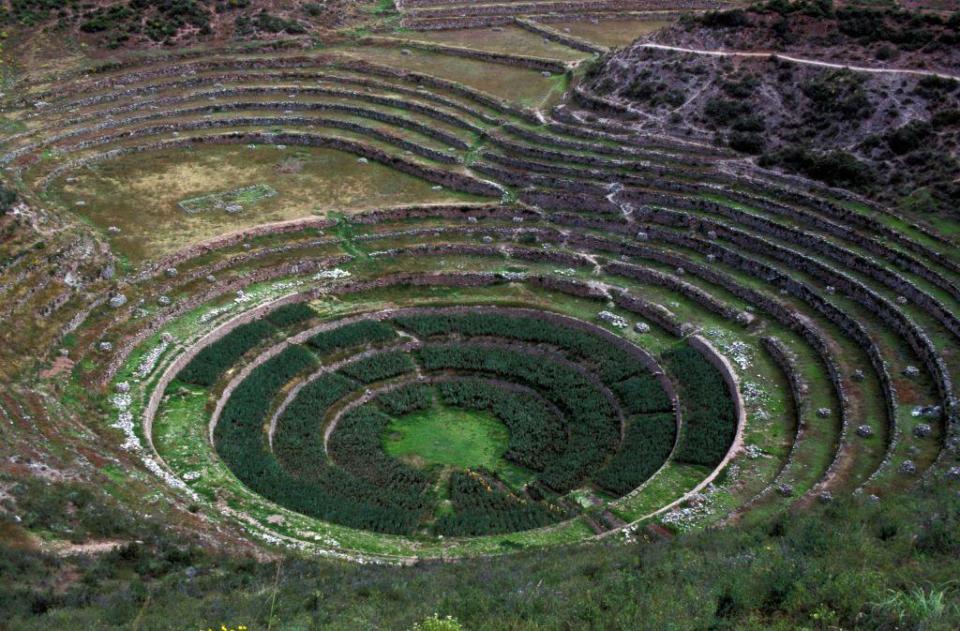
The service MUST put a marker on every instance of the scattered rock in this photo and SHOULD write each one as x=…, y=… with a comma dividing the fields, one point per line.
x=113, y=230
x=211, y=278
x=825, y=497
x=105, y=346
x=858, y=375
x=642, y=236
x=486, y=238
x=170, y=272
x=164, y=301
x=864, y=431
x=911, y=371
x=785, y=490
x=641, y=327
x=901, y=300
x=923, y=430
x=908, y=467
x=823, y=412
x=123, y=387
x=118, y=300
x=612, y=319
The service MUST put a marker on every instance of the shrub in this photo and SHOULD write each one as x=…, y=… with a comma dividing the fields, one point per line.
x=7, y=199
x=592, y=423
x=909, y=137
x=836, y=168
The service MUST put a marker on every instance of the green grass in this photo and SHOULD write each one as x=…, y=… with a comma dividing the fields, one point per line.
x=448, y=437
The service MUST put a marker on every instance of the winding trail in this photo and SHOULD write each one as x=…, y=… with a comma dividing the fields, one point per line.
x=800, y=60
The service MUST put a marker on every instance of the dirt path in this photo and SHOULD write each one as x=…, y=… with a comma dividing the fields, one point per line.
x=801, y=60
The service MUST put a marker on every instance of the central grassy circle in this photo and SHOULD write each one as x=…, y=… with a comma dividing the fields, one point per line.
x=447, y=436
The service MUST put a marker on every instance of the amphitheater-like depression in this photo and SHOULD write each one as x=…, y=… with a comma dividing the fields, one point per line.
x=449, y=428
x=531, y=324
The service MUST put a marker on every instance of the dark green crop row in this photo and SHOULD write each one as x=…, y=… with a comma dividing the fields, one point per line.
x=330, y=493
x=638, y=389
x=537, y=435
x=480, y=507
x=646, y=446
x=612, y=364
x=298, y=440
x=379, y=367
x=406, y=399
x=709, y=416
x=356, y=334
x=593, y=424
x=214, y=360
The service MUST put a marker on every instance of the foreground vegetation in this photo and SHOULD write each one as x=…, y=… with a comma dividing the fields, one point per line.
x=848, y=564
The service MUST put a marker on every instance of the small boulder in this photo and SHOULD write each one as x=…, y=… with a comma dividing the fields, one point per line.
x=908, y=467
x=641, y=327
x=923, y=430
x=911, y=371
x=823, y=412
x=864, y=431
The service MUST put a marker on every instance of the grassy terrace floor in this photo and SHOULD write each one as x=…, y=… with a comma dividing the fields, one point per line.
x=144, y=190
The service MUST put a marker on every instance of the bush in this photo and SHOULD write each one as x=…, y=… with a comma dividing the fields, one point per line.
x=909, y=137
x=642, y=394
x=836, y=168
x=7, y=199
x=591, y=421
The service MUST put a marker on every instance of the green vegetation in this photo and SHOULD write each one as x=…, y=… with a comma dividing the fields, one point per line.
x=7, y=199
x=647, y=443
x=447, y=436
x=709, y=417
x=356, y=334
x=211, y=362
x=851, y=564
